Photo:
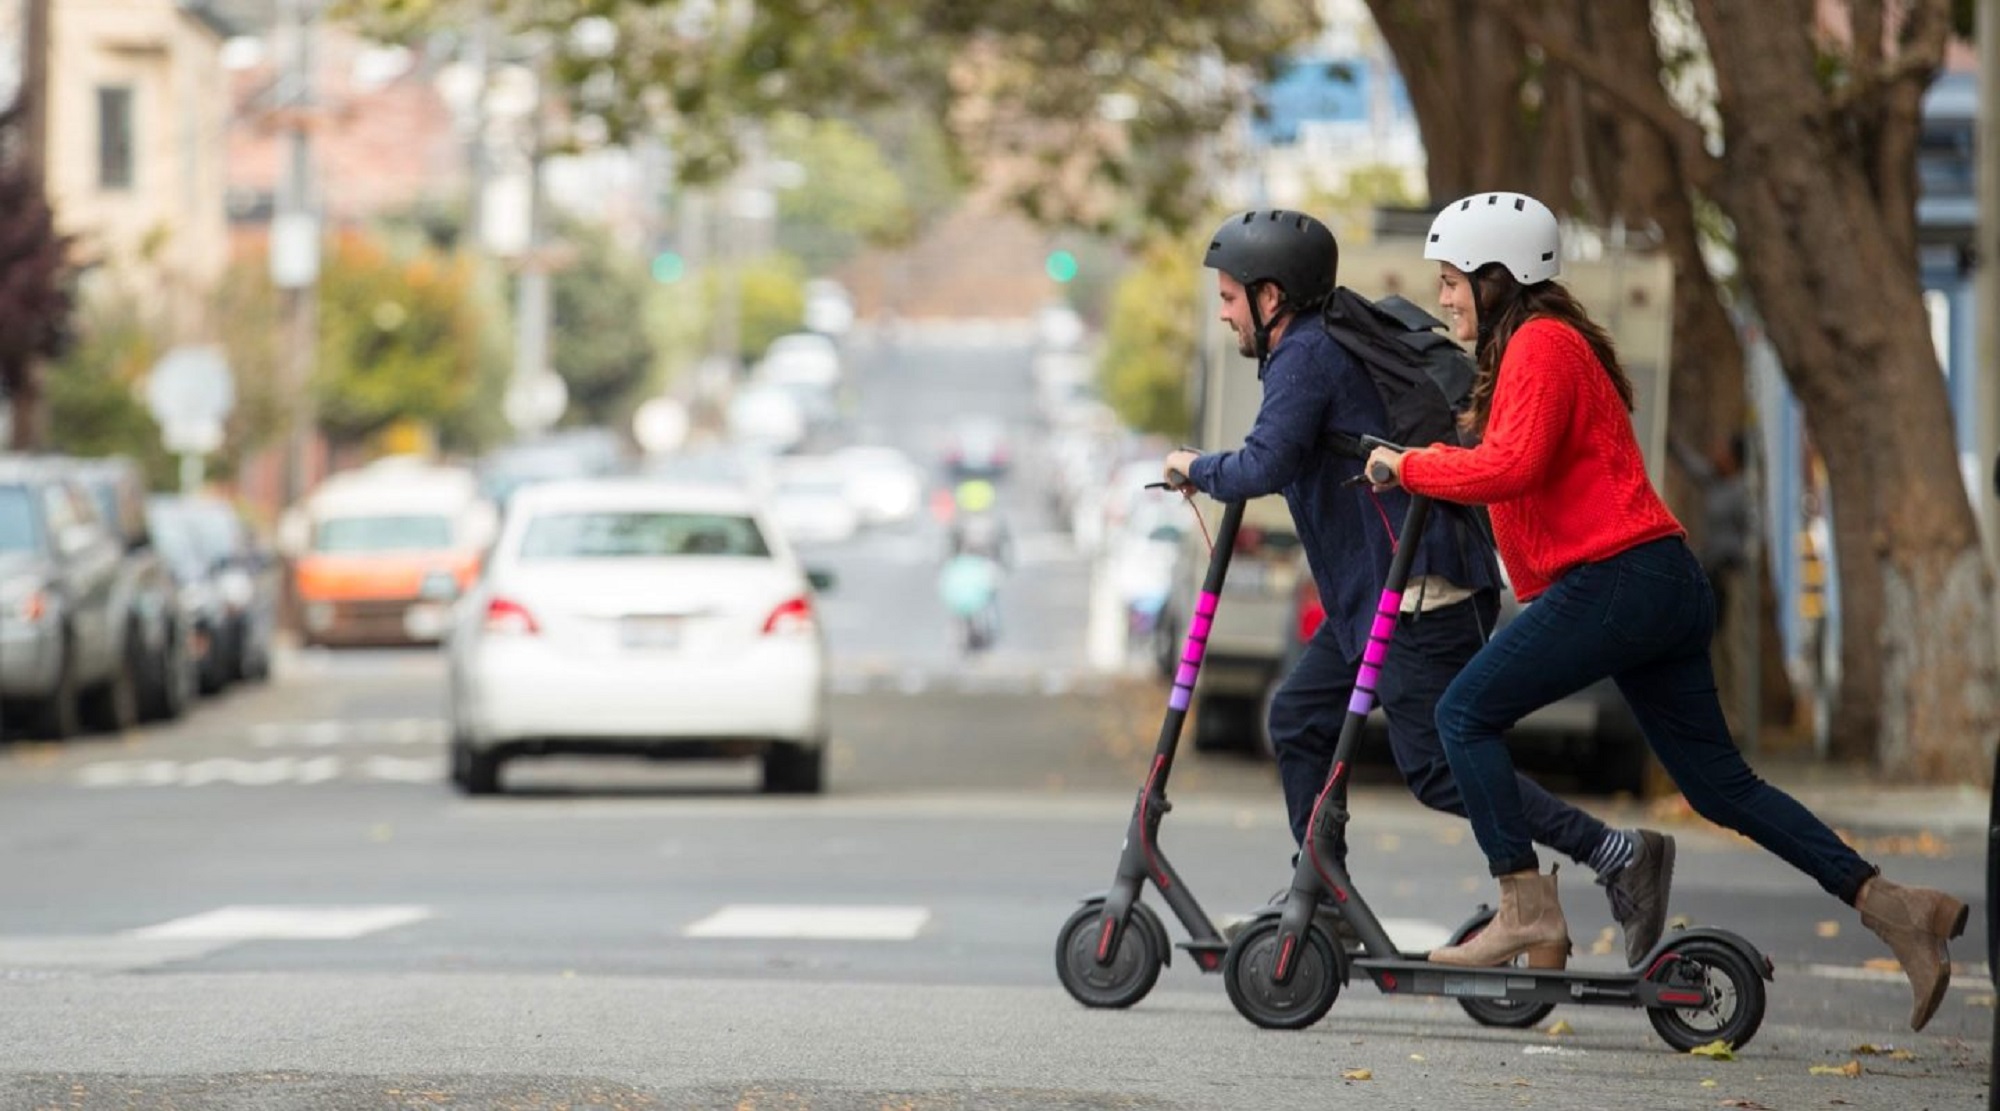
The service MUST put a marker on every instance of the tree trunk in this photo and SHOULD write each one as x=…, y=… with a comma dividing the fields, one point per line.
x=1837, y=288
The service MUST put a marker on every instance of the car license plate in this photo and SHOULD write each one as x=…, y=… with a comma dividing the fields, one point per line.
x=650, y=633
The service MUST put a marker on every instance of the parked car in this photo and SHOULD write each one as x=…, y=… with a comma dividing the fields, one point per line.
x=380, y=554
x=633, y=617
x=158, y=632
x=248, y=582
x=198, y=594
x=63, y=632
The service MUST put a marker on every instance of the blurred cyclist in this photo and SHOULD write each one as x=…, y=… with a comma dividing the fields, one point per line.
x=977, y=526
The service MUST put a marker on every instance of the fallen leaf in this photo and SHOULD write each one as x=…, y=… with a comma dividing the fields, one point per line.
x=1901, y=1055
x=1850, y=1069
x=1416, y=1056
x=1606, y=943
x=1710, y=1084
x=1560, y=1028
x=1882, y=964
x=1746, y=1104
x=1357, y=1074
x=1717, y=1050
x=1865, y=1049
x=1828, y=928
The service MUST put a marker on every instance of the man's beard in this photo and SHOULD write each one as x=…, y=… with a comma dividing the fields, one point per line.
x=1245, y=347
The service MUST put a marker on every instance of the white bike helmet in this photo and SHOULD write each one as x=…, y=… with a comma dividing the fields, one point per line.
x=1512, y=229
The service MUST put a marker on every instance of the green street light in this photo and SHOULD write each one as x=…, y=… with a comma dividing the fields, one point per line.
x=669, y=267
x=1062, y=266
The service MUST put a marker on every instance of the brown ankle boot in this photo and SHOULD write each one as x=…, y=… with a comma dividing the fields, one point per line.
x=1530, y=921
x=1916, y=922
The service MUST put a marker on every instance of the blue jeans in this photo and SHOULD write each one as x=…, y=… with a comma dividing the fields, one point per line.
x=1643, y=618
x=1425, y=653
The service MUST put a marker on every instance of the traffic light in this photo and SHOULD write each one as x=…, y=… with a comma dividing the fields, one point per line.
x=1062, y=266
x=669, y=267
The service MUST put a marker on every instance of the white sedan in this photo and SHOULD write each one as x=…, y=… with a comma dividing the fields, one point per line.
x=636, y=617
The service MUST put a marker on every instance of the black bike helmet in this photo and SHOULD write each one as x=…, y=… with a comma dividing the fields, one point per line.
x=1291, y=250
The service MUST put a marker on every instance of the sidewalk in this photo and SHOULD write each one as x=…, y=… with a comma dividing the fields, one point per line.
x=1853, y=799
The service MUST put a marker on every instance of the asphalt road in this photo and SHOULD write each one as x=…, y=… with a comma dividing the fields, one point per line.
x=279, y=904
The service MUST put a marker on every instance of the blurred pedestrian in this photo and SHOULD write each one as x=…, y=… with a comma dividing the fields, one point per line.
x=1620, y=596
x=1725, y=511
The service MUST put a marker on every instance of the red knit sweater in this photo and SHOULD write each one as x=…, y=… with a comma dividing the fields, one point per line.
x=1558, y=464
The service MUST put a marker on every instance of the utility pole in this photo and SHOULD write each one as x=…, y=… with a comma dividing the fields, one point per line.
x=295, y=244
x=1986, y=281
x=23, y=397
x=532, y=292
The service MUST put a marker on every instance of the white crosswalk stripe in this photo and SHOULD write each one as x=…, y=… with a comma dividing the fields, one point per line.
x=283, y=923
x=814, y=923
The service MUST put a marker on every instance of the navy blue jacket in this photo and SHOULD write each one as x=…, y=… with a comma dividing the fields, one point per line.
x=1313, y=388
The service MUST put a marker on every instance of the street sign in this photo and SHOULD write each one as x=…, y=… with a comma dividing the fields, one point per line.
x=190, y=392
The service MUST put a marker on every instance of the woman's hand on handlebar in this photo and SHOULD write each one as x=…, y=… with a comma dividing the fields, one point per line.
x=1385, y=468
x=1176, y=468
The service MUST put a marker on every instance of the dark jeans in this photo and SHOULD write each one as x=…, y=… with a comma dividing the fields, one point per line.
x=1642, y=618
x=1425, y=653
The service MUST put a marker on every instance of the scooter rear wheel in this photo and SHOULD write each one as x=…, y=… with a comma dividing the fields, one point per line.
x=1249, y=972
x=1497, y=1012
x=1134, y=966
x=1735, y=990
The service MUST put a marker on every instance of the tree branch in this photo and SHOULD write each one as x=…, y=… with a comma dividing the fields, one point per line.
x=1915, y=61
x=1638, y=91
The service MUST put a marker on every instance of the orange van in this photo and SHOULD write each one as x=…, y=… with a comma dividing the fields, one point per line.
x=380, y=555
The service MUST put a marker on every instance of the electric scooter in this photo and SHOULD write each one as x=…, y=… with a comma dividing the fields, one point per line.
x=1110, y=951
x=1283, y=971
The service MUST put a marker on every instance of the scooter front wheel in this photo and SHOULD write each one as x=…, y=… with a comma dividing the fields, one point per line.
x=1134, y=966
x=1250, y=970
x=1734, y=996
x=1497, y=1012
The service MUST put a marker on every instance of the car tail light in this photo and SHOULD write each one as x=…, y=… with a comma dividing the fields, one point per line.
x=1310, y=611
x=24, y=600
x=792, y=616
x=506, y=617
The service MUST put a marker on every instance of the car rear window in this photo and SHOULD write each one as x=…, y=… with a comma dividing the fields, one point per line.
x=17, y=520
x=389, y=533
x=629, y=534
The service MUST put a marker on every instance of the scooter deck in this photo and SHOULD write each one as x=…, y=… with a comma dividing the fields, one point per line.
x=1407, y=976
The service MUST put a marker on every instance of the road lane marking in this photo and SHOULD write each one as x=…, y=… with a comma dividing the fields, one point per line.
x=282, y=923
x=814, y=923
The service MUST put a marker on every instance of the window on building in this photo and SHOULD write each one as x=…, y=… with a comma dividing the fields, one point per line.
x=114, y=137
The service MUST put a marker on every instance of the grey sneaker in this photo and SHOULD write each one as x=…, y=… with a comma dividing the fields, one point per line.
x=1638, y=893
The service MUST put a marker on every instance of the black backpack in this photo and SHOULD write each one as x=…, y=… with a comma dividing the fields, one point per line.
x=1422, y=377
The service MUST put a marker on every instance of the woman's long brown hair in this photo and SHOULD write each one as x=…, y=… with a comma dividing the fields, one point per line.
x=1508, y=304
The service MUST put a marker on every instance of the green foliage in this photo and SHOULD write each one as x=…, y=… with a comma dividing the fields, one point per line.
x=848, y=194
x=396, y=340
x=1152, y=342
x=94, y=405
x=1035, y=71
x=772, y=300
x=600, y=344
x=247, y=308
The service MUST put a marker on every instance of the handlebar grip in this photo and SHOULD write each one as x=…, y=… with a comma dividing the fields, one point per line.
x=1176, y=478
x=1380, y=474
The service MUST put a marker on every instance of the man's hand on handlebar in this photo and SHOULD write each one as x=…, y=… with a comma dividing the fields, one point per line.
x=1176, y=468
